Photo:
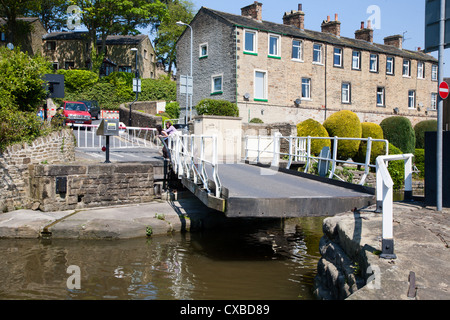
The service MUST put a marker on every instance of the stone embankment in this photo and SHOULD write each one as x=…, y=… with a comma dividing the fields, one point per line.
x=351, y=267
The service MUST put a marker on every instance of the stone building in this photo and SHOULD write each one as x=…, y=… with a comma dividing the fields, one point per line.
x=29, y=37
x=284, y=72
x=69, y=50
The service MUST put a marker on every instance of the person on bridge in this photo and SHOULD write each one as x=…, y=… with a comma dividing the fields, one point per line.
x=163, y=136
x=170, y=129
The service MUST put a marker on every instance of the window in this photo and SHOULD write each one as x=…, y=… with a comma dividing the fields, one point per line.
x=145, y=54
x=69, y=65
x=337, y=60
x=55, y=66
x=274, y=46
x=390, y=65
x=420, y=70
x=250, y=41
x=406, y=68
x=434, y=72
x=297, y=50
x=260, y=86
x=346, y=92
x=50, y=45
x=373, y=62
x=203, y=51
x=433, y=101
x=125, y=69
x=411, y=99
x=306, y=88
x=356, y=60
x=317, y=53
x=2, y=36
x=216, y=84
x=380, y=96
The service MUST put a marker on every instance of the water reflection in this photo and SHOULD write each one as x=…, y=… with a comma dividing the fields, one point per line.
x=270, y=260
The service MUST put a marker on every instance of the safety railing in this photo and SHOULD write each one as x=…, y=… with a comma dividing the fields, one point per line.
x=384, y=193
x=259, y=148
x=129, y=137
x=192, y=156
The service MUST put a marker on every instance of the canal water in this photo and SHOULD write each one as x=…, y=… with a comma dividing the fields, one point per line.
x=274, y=260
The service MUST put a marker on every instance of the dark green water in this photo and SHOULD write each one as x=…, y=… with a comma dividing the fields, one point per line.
x=261, y=261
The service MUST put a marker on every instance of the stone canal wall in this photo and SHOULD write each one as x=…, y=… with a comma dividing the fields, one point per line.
x=67, y=187
x=57, y=147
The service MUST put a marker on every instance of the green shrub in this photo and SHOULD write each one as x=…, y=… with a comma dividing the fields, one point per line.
x=217, y=108
x=173, y=110
x=313, y=128
x=373, y=131
x=256, y=120
x=78, y=80
x=399, y=131
x=421, y=128
x=161, y=89
x=345, y=124
x=396, y=168
x=419, y=161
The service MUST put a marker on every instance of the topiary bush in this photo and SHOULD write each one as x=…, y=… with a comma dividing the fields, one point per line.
x=345, y=124
x=313, y=128
x=373, y=131
x=217, y=108
x=420, y=129
x=399, y=131
x=256, y=120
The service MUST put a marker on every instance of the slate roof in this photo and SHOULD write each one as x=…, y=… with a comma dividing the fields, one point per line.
x=82, y=35
x=247, y=22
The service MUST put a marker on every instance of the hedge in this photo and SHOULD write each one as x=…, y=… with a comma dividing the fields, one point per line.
x=345, y=124
x=399, y=131
x=313, y=128
x=396, y=168
x=373, y=131
x=420, y=129
x=217, y=108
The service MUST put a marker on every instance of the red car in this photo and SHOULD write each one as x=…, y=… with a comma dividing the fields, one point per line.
x=76, y=112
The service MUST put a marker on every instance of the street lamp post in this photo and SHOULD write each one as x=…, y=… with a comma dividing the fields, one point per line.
x=181, y=23
x=135, y=50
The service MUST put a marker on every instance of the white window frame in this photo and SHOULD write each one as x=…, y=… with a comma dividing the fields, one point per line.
x=340, y=55
x=278, y=46
x=383, y=96
x=373, y=63
x=406, y=67
x=255, y=41
x=411, y=98
x=348, y=90
x=213, y=89
x=434, y=72
x=308, y=84
x=420, y=70
x=300, y=50
x=265, y=86
x=434, y=101
x=320, y=53
x=200, y=51
x=392, y=63
x=357, y=59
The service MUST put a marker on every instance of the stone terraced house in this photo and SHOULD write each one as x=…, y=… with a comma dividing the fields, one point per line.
x=286, y=73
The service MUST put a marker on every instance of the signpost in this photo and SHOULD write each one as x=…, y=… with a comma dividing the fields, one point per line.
x=186, y=87
x=437, y=23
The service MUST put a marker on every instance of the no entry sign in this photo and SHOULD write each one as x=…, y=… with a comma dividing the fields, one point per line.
x=443, y=90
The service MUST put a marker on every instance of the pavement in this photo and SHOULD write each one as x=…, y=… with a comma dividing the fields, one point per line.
x=421, y=245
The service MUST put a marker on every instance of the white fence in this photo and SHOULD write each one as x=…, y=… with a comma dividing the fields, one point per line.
x=129, y=137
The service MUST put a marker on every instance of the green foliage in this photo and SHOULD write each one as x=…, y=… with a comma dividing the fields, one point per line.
x=399, y=131
x=158, y=89
x=173, y=110
x=396, y=168
x=313, y=128
x=256, y=120
x=373, y=131
x=78, y=80
x=421, y=128
x=345, y=124
x=419, y=161
x=217, y=108
x=21, y=78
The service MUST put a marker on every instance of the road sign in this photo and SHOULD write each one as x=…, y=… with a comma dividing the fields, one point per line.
x=443, y=90
x=186, y=84
x=137, y=85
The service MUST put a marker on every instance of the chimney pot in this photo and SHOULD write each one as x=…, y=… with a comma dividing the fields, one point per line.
x=333, y=27
x=369, y=24
x=328, y=19
x=362, y=25
x=299, y=7
x=335, y=17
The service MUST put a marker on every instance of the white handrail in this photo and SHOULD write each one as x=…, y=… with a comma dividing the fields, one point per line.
x=384, y=191
x=189, y=157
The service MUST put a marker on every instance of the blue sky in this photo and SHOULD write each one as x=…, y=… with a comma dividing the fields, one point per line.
x=396, y=17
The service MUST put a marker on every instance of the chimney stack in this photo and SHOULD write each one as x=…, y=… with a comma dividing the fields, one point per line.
x=253, y=11
x=364, y=33
x=333, y=27
x=295, y=18
x=395, y=40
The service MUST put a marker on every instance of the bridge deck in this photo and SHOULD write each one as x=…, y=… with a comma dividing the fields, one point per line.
x=254, y=191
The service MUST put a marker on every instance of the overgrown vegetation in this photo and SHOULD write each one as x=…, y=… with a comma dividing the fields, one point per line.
x=217, y=108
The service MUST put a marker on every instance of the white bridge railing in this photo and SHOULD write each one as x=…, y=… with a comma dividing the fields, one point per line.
x=260, y=148
x=129, y=137
x=195, y=157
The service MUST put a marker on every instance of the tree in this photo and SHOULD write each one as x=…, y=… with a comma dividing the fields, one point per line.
x=52, y=13
x=167, y=32
x=11, y=10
